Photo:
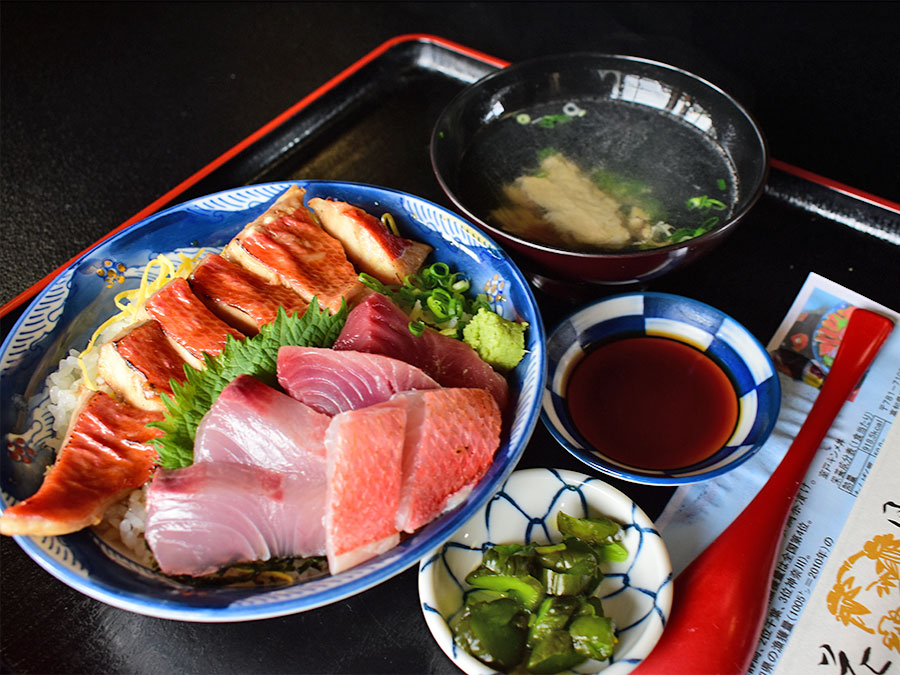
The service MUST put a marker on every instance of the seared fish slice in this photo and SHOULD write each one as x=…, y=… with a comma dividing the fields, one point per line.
x=188, y=323
x=371, y=246
x=104, y=456
x=239, y=297
x=139, y=364
x=286, y=246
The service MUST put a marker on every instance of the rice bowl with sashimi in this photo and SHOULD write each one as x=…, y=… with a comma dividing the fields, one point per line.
x=102, y=563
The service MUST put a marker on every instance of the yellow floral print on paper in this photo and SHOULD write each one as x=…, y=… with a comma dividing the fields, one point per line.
x=866, y=592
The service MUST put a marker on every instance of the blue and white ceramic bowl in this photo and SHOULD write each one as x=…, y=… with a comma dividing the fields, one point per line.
x=65, y=314
x=636, y=593
x=737, y=352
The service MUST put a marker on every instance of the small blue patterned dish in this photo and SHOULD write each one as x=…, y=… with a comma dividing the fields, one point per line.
x=729, y=345
x=67, y=311
x=636, y=593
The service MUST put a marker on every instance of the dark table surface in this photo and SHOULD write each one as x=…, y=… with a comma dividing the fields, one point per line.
x=105, y=107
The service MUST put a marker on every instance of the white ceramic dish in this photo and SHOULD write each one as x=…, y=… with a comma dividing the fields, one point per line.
x=637, y=593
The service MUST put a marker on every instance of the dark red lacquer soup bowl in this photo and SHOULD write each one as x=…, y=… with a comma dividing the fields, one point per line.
x=600, y=169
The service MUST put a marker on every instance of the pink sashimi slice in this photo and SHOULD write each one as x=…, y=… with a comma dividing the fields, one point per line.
x=378, y=326
x=213, y=514
x=252, y=423
x=336, y=381
x=364, y=453
x=397, y=465
x=451, y=437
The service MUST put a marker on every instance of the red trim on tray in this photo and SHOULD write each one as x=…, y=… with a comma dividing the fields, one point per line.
x=834, y=185
x=167, y=198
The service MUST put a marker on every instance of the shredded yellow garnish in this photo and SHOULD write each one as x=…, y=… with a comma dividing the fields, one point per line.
x=388, y=220
x=132, y=301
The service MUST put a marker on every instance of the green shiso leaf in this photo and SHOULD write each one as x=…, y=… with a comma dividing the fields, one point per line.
x=256, y=356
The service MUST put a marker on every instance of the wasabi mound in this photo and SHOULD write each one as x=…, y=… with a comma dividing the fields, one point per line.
x=500, y=342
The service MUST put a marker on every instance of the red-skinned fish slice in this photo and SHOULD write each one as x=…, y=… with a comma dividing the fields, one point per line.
x=188, y=323
x=363, y=460
x=139, y=364
x=370, y=246
x=239, y=297
x=104, y=456
x=451, y=438
x=286, y=246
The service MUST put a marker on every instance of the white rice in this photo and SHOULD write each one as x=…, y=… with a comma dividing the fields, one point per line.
x=63, y=389
x=63, y=385
x=123, y=524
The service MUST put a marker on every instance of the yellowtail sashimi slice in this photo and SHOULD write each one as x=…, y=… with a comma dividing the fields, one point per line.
x=251, y=423
x=213, y=514
x=336, y=381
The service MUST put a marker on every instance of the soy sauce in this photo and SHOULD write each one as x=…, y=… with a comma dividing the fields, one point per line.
x=652, y=402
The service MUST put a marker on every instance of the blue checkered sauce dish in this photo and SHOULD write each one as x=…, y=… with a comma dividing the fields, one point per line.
x=636, y=593
x=726, y=342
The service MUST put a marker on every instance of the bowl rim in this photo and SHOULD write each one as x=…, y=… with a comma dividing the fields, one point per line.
x=595, y=460
x=388, y=565
x=512, y=69
x=437, y=623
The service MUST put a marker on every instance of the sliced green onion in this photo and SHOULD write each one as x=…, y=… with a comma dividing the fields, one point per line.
x=694, y=202
x=434, y=297
x=437, y=308
x=461, y=286
x=417, y=328
x=704, y=202
x=372, y=282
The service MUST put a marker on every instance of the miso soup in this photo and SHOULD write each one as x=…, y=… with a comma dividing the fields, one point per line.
x=598, y=175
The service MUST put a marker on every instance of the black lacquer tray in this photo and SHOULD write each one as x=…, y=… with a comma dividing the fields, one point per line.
x=372, y=124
